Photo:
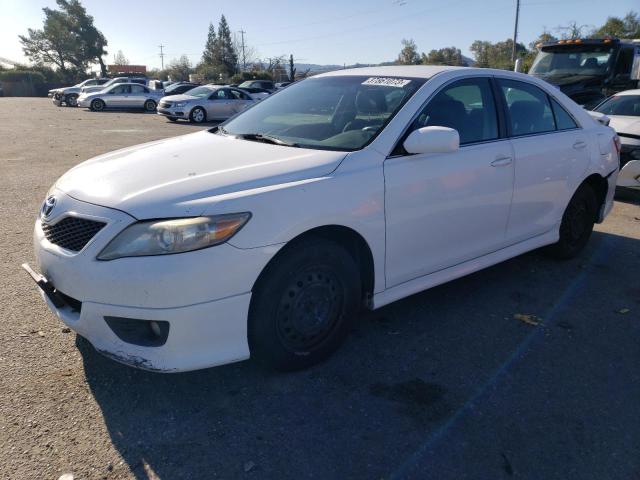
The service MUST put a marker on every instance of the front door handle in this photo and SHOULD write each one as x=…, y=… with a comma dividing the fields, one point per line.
x=501, y=161
x=579, y=145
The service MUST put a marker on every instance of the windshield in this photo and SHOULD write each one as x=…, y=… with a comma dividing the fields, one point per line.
x=112, y=81
x=200, y=92
x=565, y=61
x=177, y=86
x=332, y=113
x=248, y=83
x=628, y=105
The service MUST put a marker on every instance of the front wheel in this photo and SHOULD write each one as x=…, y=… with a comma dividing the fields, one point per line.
x=577, y=224
x=150, y=106
x=198, y=115
x=303, y=306
x=71, y=100
x=97, y=105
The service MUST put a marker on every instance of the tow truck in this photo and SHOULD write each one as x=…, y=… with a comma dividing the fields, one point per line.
x=589, y=70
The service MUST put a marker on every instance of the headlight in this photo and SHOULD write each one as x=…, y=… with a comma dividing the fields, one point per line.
x=164, y=237
x=180, y=104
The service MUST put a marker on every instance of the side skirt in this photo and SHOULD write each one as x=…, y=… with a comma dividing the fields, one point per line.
x=443, y=276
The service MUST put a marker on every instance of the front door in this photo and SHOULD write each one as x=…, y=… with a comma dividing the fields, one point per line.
x=219, y=105
x=445, y=209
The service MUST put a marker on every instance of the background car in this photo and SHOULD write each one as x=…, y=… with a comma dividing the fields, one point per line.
x=113, y=81
x=179, y=88
x=256, y=93
x=262, y=84
x=282, y=85
x=69, y=95
x=122, y=95
x=205, y=103
x=623, y=111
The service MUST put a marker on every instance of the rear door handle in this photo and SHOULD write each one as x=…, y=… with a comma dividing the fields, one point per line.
x=579, y=145
x=501, y=161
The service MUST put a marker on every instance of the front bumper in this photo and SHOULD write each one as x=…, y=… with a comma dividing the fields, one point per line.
x=203, y=295
x=84, y=102
x=181, y=112
x=629, y=176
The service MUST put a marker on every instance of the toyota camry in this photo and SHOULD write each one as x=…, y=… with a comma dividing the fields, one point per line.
x=266, y=235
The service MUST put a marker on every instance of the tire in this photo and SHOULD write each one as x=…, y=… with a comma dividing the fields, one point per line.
x=198, y=115
x=577, y=224
x=303, y=305
x=150, y=106
x=71, y=100
x=97, y=105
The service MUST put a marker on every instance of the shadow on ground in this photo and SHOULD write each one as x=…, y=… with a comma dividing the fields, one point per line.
x=444, y=384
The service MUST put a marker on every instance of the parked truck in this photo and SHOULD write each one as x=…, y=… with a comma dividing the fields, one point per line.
x=589, y=70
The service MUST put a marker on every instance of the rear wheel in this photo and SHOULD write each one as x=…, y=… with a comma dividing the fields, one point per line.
x=198, y=115
x=71, y=100
x=303, y=305
x=577, y=223
x=150, y=106
x=97, y=105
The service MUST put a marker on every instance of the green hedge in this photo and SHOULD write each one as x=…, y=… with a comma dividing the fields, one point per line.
x=22, y=76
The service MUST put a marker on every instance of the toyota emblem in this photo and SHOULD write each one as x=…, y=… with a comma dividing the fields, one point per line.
x=47, y=206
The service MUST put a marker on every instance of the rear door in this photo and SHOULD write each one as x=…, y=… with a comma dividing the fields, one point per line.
x=219, y=106
x=137, y=96
x=549, y=146
x=240, y=100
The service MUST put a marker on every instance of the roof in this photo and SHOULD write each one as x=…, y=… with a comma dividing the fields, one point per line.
x=415, y=71
x=628, y=92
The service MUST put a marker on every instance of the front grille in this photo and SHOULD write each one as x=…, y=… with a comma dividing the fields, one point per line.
x=72, y=233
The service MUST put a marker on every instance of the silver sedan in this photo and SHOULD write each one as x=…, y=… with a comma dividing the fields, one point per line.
x=205, y=103
x=121, y=95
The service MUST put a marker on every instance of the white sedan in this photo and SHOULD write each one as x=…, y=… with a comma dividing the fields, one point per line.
x=623, y=110
x=352, y=189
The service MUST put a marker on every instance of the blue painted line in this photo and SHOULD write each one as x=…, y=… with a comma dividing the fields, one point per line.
x=563, y=301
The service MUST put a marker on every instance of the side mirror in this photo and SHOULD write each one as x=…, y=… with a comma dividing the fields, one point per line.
x=432, y=140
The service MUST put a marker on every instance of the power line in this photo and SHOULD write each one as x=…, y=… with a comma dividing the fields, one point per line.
x=161, y=56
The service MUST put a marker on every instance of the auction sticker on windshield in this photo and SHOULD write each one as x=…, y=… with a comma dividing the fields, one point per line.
x=387, y=82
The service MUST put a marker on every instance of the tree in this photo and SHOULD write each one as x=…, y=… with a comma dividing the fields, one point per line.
x=208, y=56
x=409, y=53
x=68, y=39
x=120, y=59
x=292, y=69
x=544, y=37
x=496, y=55
x=225, y=54
x=444, y=56
x=179, y=69
x=572, y=31
x=626, y=27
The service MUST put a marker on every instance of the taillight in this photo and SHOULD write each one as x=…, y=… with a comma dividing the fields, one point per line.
x=616, y=143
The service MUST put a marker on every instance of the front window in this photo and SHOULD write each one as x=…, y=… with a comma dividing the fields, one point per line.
x=569, y=61
x=628, y=105
x=200, y=92
x=332, y=113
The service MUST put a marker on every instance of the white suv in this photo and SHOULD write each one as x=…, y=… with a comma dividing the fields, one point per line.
x=351, y=189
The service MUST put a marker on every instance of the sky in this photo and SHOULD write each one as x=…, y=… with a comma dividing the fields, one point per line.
x=323, y=32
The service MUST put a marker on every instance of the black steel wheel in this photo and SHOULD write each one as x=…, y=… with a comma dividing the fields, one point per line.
x=577, y=223
x=303, y=305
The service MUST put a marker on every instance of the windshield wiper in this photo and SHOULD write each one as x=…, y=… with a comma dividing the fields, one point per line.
x=260, y=137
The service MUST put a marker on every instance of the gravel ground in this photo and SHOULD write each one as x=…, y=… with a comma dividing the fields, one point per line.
x=446, y=384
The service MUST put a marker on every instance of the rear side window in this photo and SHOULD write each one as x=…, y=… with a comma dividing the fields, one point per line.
x=138, y=89
x=528, y=108
x=564, y=121
x=466, y=106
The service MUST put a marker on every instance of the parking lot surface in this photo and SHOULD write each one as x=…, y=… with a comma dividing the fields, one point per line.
x=450, y=383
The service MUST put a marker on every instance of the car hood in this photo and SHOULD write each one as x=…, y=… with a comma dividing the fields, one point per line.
x=625, y=124
x=182, y=176
x=178, y=98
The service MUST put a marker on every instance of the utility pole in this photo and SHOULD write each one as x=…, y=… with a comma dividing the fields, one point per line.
x=161, y=56
x=515, y=33
x=244, y=59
